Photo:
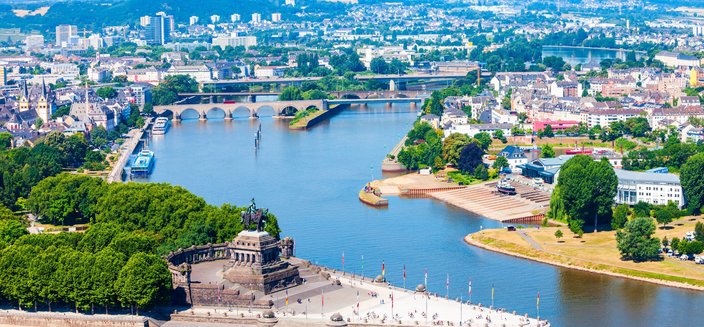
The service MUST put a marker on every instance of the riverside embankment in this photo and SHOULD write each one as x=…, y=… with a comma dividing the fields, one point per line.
x=594, y=253
x=126, y=150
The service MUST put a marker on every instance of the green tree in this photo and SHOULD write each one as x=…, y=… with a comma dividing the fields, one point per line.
x=5, y=141
x=641, y=209
x=547, y=151
x=585, y=191
x=291, y=93
x=379, y=66
x=129, y=243
x=699, y=231
x=481, y=172
x=107, y=92
x=620, y=216
x=10, y=231
x=500, y=163
x=691, y=177
x=635, y=241
x=452, y=145
x=470, y=158
x=558, y=234
x=104, y=274
x=143, y=281
x=167, y=91
x=484, y=140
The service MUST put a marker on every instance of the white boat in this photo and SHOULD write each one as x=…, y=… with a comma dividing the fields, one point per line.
x=161, y=125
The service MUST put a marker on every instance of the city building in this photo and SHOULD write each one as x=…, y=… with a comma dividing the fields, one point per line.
x=651, y=186
x=235, y=18
x=256, y=18
x=3, y=75
x=275, y=17
x=234, y=41
x=66, y=35
x=158, y=31
x=674, y=59
x=193, y=20
x=214, y=19
x=604, y=117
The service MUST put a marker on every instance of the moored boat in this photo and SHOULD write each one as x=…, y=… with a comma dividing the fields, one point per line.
x=161, y=125
x=504, y=187
x=143, y=164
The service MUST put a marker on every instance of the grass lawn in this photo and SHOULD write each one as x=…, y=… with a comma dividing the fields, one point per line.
x=465, y=179
x=598, y=251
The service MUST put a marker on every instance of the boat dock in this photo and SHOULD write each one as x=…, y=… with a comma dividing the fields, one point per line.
x=126, y=149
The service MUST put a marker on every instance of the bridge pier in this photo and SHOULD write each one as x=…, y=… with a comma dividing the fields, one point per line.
x=253, y=98
x=176, y=118
x=388, y=105
x=254, y=116
x=228, y=116
x=414, y=106
x=202, y=117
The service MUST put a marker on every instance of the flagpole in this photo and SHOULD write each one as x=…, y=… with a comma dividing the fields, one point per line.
x=343, y=262
x=492, y=295
x=461, y=304
x=404, y=277
x=470, y=290
x=447, y=287
x=322, y=304
x=362, y=266
x=537, y=303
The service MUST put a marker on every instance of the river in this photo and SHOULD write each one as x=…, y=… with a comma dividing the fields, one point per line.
x=580, y=55
x=310, y=180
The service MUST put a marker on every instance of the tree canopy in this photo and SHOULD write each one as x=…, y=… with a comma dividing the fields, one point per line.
x=691, y=178
x=635, y=241
x=585, y=191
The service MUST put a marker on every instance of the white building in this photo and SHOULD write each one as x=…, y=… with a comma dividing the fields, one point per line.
x=650, y=187
x=144, y=21
x=193, y=20
x=256, y=18
x=275, y=17
x=514, y=155
x=235, y=18
x=604, y=117
x=214, y=19
x=291, y=3
x=269, y=71
x=474, y=129
x=34, y=41
x=235, y=41
x=674, y=59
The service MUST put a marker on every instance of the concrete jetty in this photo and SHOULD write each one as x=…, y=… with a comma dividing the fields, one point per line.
x=126, y=149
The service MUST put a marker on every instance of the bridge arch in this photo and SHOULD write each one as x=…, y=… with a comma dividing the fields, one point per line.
x=241, y=112
x=288, y=111
x=216, y=113
x=266, y=111
x=350, y=96
x=401, y=96
x=190, y=114
x=374, y=95
x=168, y=113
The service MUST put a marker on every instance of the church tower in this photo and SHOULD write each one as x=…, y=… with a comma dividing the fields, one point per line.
x=24, y=98
x=44, y=107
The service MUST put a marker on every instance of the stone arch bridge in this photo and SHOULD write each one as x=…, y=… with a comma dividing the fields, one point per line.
x=254, y=109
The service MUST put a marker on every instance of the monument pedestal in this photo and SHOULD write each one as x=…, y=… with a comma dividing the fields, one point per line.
x=255, y=263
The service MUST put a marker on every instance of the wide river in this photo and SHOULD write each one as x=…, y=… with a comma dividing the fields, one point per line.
x=310, y=180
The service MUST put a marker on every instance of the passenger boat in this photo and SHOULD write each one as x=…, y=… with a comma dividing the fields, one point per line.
x=161, y=125
x=143, y=164
x=504, y=187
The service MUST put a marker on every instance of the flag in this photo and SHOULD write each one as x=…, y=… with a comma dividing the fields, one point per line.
x=392, y=299
x=286, y=297
x=469, y=289
x=426, y=278
x=537, y=301
x=383, y=270
x=404, y=272
x=492, y=292
x=447, y=281
x=343, y=260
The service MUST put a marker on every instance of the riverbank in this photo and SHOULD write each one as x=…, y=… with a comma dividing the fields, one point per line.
x=594, y=252
x=126, y=149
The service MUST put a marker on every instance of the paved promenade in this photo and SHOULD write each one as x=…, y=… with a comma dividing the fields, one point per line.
x=126, y=149
x=360, y=302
